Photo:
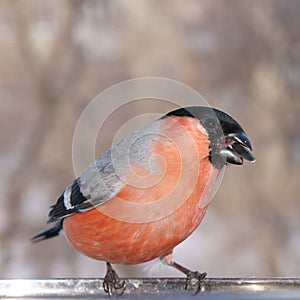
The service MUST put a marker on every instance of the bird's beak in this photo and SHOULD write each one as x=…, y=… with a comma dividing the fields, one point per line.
x=238, y=148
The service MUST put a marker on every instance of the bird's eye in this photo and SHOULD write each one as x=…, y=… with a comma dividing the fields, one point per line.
x=210, y=123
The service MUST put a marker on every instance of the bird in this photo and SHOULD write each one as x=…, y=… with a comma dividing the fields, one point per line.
x=149, y=191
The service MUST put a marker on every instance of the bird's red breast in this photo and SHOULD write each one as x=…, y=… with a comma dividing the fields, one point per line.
x=155, y=210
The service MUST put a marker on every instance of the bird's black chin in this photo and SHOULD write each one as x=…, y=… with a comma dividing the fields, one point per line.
x=237, y=148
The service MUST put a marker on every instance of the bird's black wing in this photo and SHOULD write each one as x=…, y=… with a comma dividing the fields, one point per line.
x=97, y=184
x=106, y=176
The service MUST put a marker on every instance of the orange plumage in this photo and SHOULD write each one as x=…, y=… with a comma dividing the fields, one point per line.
x=97, y=235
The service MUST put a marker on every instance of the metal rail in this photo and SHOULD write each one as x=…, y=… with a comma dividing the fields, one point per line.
x=213, y=288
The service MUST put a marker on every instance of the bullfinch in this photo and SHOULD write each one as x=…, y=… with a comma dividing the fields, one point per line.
x=149, y=191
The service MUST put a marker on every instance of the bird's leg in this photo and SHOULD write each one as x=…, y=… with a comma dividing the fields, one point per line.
x=112, y=283
x=194, y=279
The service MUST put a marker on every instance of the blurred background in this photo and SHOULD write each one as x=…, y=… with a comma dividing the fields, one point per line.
x=242, y=56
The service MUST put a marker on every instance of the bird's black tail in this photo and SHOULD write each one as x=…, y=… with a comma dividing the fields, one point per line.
x=48, y=233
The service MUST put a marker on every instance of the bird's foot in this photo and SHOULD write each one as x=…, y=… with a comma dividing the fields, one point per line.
x=112, y=284
x=194, y=281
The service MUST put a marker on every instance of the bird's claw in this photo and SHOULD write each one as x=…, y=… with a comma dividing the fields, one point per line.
x=112, y=284
x=194, y=281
